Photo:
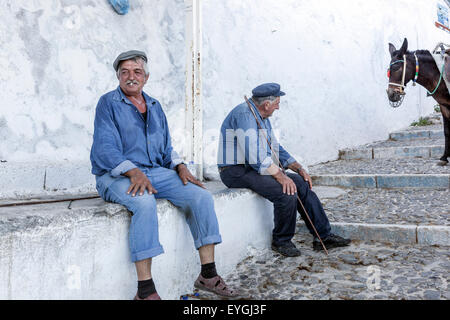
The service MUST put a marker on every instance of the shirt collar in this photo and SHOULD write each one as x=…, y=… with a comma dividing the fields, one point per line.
x=120, y=96
x=253, y=104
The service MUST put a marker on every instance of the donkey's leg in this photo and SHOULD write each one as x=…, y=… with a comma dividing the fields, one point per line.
x=444, y=160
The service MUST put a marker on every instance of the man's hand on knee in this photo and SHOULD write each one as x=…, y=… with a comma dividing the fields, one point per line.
x=306, y=177
x=186, y=176
x=287, y=183
x=139, y=182
x=296, y=167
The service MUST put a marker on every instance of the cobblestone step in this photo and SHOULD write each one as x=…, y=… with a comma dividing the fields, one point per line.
x=383, y=181
x=417, y=134
x=380, y=167
x=382, y=173
x=421, y=141
x=364, y=270
x=394, y=233
x=433, y=151
x=435, y=117
x=404, y=143
x=400, y=216
x=427, y=207
x=392, y=200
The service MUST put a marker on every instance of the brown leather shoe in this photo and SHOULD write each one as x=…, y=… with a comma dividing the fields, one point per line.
x=153, y=296
x=215, y=285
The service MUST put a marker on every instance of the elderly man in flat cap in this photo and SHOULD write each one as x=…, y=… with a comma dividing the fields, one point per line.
x=245, y=160
x=134, y=164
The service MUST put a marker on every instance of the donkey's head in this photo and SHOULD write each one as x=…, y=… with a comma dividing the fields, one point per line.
x=398, y=73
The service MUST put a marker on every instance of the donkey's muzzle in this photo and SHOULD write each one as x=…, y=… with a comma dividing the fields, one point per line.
x=395, y=95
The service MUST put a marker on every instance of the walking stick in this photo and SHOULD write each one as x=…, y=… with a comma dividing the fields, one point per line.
x=284, y=172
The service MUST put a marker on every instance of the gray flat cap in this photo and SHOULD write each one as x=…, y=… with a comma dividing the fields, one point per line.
x=128, y=55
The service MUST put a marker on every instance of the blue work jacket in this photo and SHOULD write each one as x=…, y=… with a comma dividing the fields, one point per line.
x=243, y=142
x=123, y=140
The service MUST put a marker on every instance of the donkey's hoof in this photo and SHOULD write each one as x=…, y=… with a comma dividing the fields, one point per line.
x=442, y=163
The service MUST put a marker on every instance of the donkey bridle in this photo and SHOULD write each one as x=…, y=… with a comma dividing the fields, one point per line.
x=402, y=84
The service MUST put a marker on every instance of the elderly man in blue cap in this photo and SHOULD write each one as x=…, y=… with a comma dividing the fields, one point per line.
x=245, y=160
x=134, y=164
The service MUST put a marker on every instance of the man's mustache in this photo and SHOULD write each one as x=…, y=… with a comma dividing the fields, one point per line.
x=132, y=82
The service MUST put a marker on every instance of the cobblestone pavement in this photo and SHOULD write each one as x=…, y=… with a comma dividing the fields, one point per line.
x=402, y=206
x=363, y=270
x=380, y=166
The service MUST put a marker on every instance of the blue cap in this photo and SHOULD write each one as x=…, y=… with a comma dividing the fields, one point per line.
x=268, y=89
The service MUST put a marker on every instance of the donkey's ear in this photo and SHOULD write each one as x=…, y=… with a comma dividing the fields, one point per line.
x=391, y=49
x=404, y=47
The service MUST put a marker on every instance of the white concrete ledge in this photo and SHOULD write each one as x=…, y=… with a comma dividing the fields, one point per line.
x=52, y=252
x=37, y=179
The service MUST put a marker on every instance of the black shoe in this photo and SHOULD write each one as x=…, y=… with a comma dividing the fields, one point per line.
x=332, y=241
x=287, y=249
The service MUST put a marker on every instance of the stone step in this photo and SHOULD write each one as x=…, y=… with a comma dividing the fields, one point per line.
x=393, y=233
x=418, y=134
x=425, y=207
x=433, y=151
x=383, y=181
x=404, y=143
x=394, y=215
x=382, y=173
x=380, y=167
x=435, y=116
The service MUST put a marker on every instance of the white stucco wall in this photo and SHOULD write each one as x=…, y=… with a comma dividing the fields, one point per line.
x=329, y=56
x=57, y=59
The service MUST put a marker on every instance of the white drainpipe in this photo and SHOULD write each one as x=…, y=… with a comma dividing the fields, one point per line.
x=194, y=112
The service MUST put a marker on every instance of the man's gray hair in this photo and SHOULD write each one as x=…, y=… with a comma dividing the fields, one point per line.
x=261, y=100
x=135, y=59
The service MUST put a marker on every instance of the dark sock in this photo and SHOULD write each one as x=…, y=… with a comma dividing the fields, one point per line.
x=209, y=270
x=146, y=288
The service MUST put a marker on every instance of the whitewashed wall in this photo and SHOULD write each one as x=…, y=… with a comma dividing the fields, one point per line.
x=56, y=62
x=330, y=57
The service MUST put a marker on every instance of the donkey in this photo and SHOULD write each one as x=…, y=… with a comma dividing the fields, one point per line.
x=419, y=66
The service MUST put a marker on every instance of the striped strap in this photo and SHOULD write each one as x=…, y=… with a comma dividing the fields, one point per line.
x=417, y=70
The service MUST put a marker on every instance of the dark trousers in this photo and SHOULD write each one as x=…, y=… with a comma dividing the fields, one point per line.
x=285, y=206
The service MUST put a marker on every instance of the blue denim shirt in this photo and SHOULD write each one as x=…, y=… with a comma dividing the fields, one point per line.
x=124, y=141
x=241, y=141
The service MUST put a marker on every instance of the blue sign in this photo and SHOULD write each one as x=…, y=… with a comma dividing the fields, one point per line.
x=442, y=13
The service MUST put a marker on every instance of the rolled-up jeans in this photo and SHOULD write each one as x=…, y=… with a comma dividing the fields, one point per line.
x=285, y=206
x=196, y=202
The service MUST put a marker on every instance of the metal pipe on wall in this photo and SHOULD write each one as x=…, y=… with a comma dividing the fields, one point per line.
x=193, y=87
